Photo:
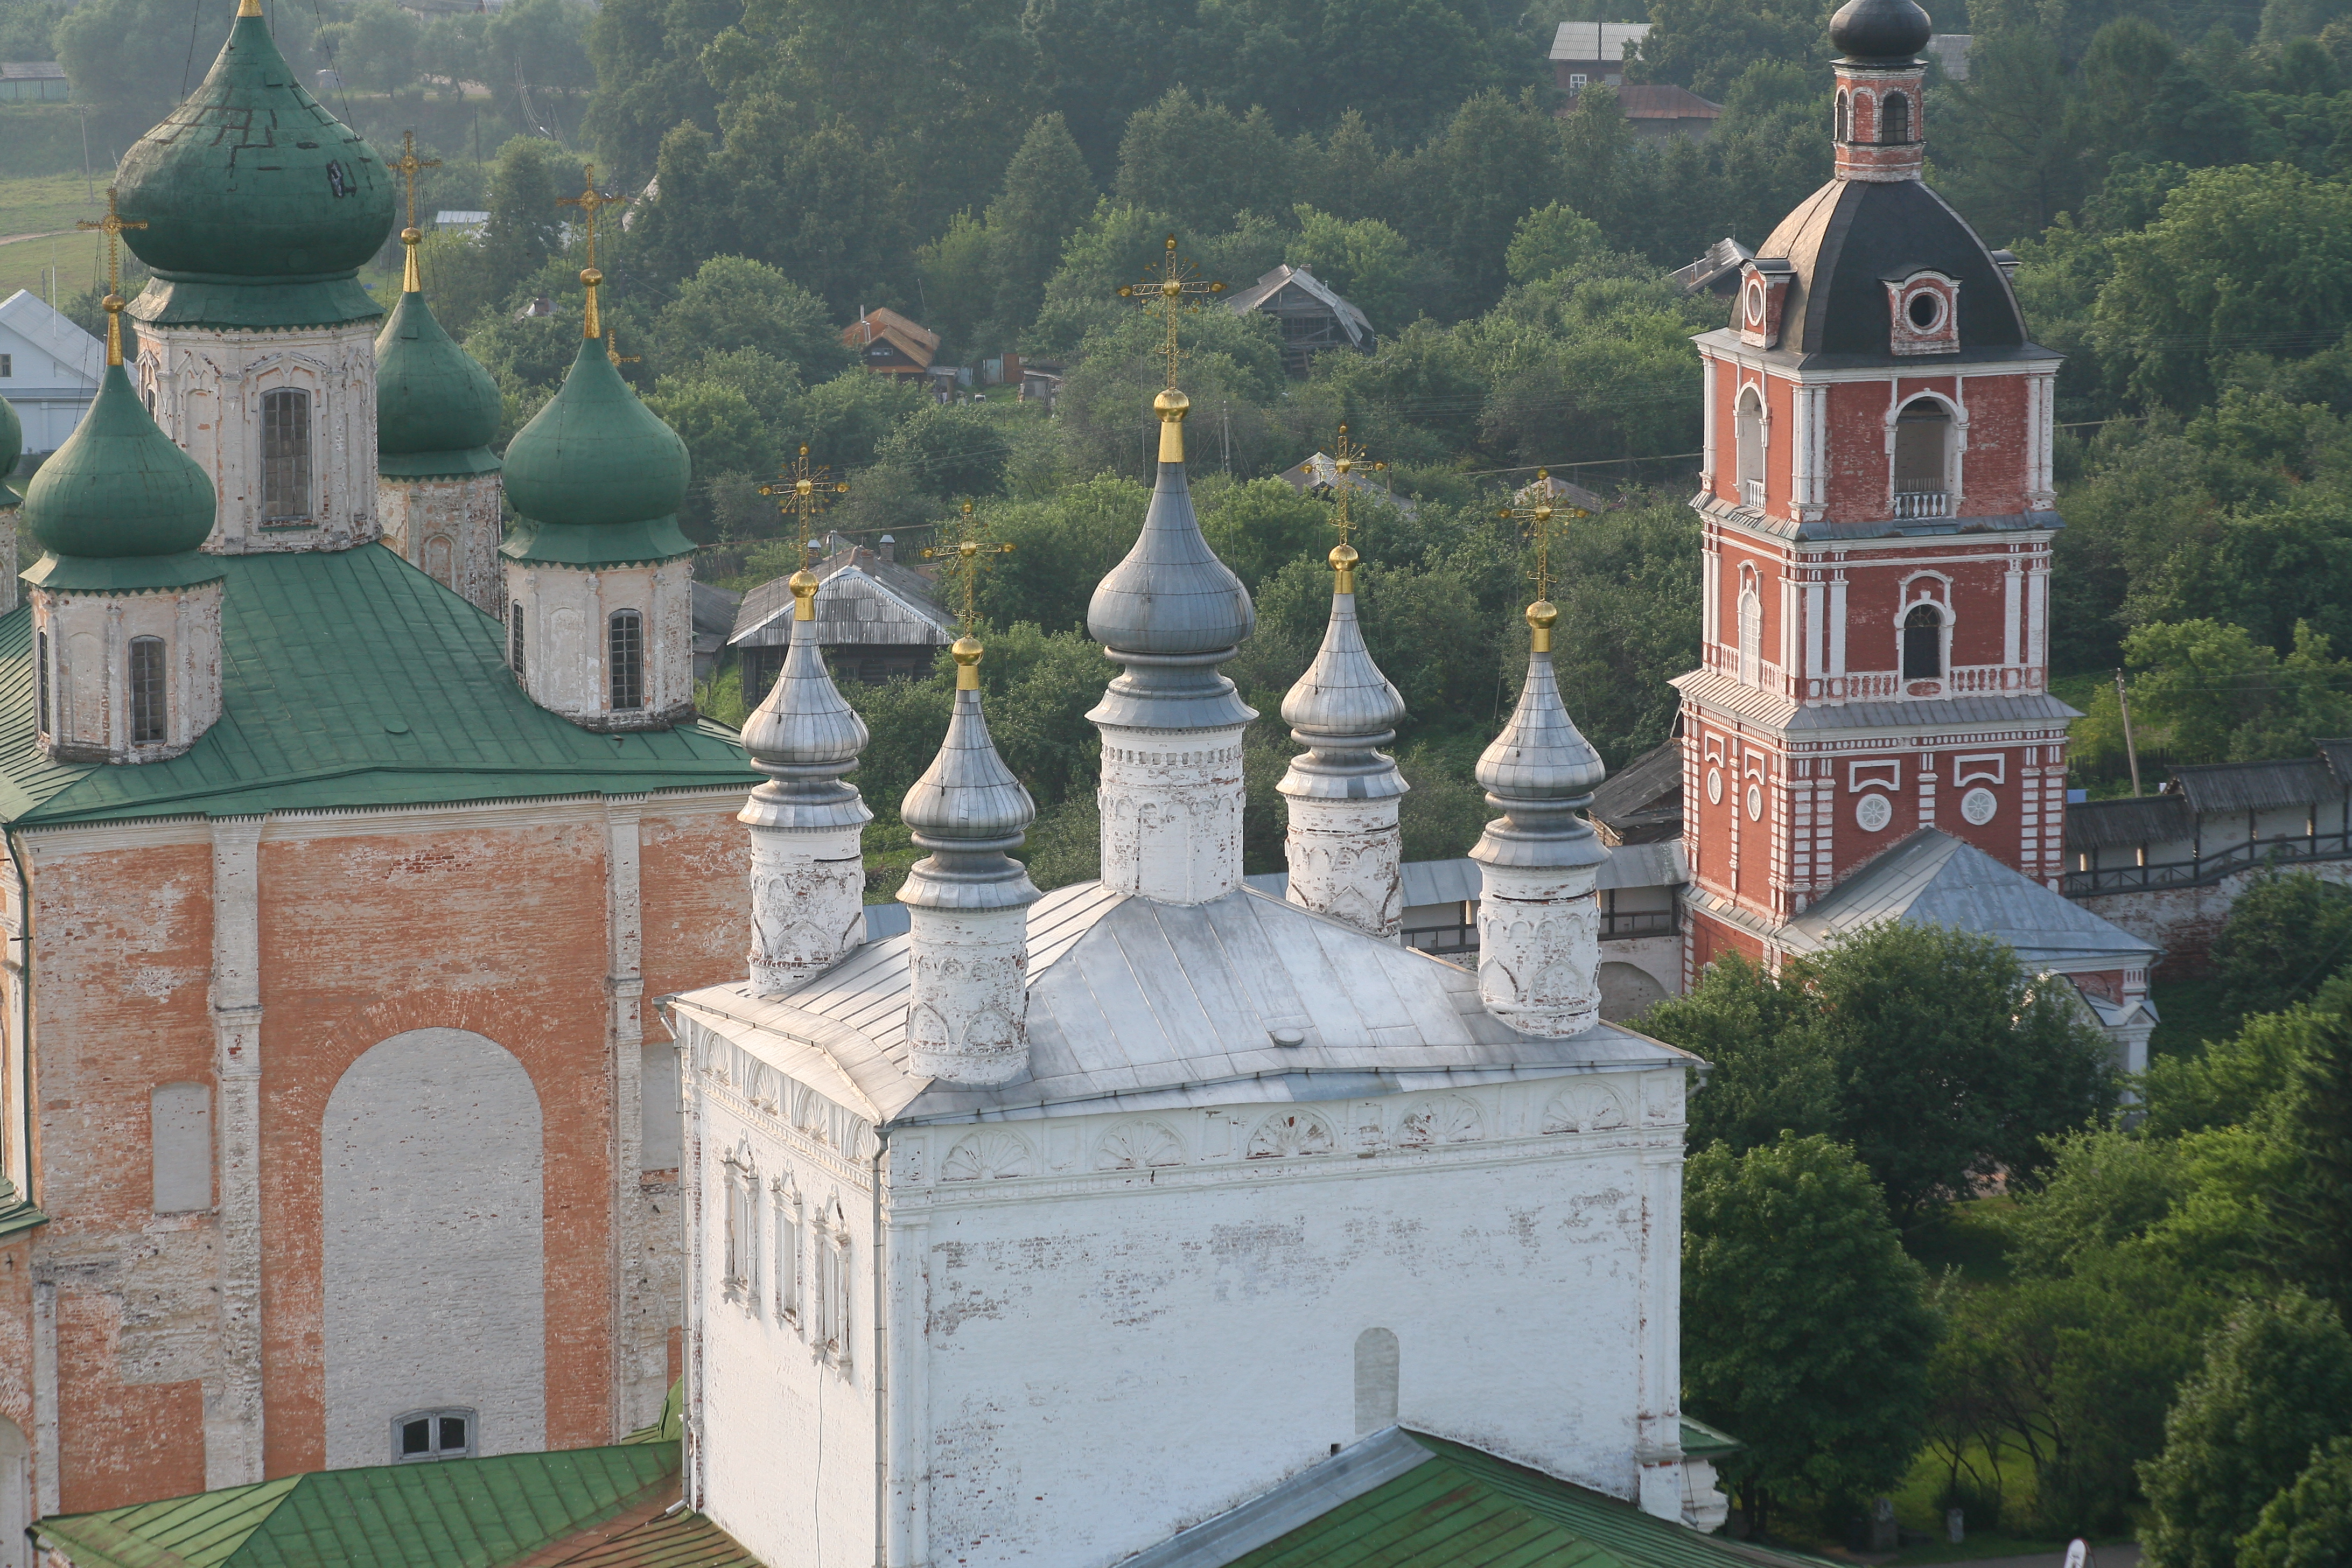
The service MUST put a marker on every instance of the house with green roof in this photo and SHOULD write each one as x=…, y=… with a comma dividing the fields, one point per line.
x=333, y=1130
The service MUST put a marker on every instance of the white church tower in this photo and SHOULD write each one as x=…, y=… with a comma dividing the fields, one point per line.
x=1050, y=1230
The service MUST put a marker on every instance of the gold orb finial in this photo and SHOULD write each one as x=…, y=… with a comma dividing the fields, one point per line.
x=967, y=651
x=1171, y=405
x=1541, y=616
x=803, y=585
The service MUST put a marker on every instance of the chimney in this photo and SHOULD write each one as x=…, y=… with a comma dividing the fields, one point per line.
x=889, y=548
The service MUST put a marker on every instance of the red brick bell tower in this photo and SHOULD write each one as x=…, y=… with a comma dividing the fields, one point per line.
x=1875, y=501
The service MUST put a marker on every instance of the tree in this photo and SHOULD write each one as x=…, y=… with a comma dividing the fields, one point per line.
x=2277, y=1381
x=1704, y=44
x=961, y=279
x=1550, y=240
x=2012, y=165
x=2309, y=1523
x=1805, y=1324
x=1047, y=194
x=2286, y=934
x=1926, y=1050
x=1370, y=264
x=1201, y=163
x=2226, y=697
x=526, y=224
x=689, y=220
x=647, y=55
x=734, y=302
x=821, y=203
x=536, y=59
x=2313, y=1207
x=956, y=451
x=1498, y=159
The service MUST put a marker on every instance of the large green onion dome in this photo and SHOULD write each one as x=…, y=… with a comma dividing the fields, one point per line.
x=595, y=477
x=436, y=409
x=12, y=447
x=119, y=506
x=251, y=182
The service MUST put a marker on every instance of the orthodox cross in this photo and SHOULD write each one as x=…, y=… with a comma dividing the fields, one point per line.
x=802, y=492
x=1541, y=514
x=1179, y=288
x=111, y=225
x=620, y=359
x=408, y=164
x=591, y=200
x=965, y=557
x=1348, y=457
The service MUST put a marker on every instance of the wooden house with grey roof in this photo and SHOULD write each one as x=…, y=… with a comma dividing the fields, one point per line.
x=1311, y=315
x=878, y=621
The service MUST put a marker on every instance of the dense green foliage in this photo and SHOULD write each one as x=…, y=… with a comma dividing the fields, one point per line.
x=2286, y=935
x=1804, y=1325
x=1924, y=1050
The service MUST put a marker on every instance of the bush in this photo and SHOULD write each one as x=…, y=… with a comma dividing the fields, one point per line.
x=2286, y=933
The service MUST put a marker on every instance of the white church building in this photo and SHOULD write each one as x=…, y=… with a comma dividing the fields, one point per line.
x=1140, y=1217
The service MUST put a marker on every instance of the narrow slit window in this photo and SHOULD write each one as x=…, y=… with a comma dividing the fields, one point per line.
x=788, y=1252
x=1844, y=131
x=285, y=455
x=41, y=678
x=628, y=640
x=514, y=639
x=148, y=726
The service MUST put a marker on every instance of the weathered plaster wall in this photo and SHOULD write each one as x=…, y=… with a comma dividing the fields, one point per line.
x=449, y=529
x=432, y=1206
x=567, y=667
x=2184, y=921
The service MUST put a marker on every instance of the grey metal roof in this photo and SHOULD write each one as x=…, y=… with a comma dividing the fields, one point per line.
x=1933, y=878
x=1137, y=1004
x=1907, y=528
x=1721, y=691
x=1595, y=40
x=1951, y=52
x=2256, y=787
x=2126, y=824
x=2337, y=755
x=872, y=604
x=1353, y=321
x=1458, y=881
x=1646, y=792
x=1320, y=470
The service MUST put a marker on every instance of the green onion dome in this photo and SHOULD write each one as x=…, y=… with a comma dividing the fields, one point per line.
x=250, y=180
x=595, y=479
x=119, y=506
x=436, y=409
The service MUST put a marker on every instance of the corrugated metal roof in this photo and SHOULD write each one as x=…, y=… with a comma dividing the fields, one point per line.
x=2256, y=787
x=1933, y=878
x=1595, y=40
x=680, y=1540
x=1665, y=102
x=1354, y=322
x=1650, y=788
x=1904, y=528
x=868, y=602
x=2337, y=755
x=349, y=678
x=2125, y=823
x=1138, y=1004
x=459, y=1513
x=1404, y=1499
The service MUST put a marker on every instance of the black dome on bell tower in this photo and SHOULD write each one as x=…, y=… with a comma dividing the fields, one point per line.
x=1881, y=31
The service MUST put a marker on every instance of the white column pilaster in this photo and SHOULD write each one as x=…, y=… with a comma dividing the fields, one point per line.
x=638, y=1388
x=233, y=1395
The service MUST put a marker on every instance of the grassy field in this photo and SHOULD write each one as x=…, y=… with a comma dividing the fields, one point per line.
x=44, y=206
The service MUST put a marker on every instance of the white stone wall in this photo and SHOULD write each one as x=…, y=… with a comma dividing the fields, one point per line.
x=431, y=1199
x=1539, y=947
x=565, y=612
x=1345, y=857
x=968, y=994
x=204, y=386
x=808, y=899
x=450, y=531
x=1171, y=811
x=89, y=669
x=1100, y=1328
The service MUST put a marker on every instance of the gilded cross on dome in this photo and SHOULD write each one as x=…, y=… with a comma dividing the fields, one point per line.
x=1179, y=288
x=964, y=559
x=111, y=225
x=1347, y=458
x=408, y=164
x=1542, y=515
x=591, y=200
x=620, y=359
x=802, y=492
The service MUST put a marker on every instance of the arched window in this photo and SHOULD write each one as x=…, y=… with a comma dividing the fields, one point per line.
x=514, y=639
x=1895, y=124
x=147, y=715
x=1922, y=460
x=1751, y=633
x=626, y=641
x=1923, y=644
x=1747, y=430
x=1844, y=118
x=285, y=455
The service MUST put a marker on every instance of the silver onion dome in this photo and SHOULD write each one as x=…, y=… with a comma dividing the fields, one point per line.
x=968, y=809
x=1540, y=772
x=803, y=736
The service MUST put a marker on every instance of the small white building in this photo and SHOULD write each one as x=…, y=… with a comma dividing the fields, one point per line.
x=1061, y=1229
x=49, y=369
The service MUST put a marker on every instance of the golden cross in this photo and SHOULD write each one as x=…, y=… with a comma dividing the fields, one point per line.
x=408, y=163
x=1177, y=287
x=591, y=200
x=963, y=559
x=111, y=225
x=1541, y=514
x=802, y=492
x=620, y=359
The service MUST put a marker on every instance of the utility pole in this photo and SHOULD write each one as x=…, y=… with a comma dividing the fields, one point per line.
x=2131, y=748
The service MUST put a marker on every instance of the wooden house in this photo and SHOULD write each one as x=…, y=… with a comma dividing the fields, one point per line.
x=890, y=344
x=1313, y=318
x=878, y=621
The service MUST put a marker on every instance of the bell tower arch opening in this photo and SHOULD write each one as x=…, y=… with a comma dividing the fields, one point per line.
x=1748, y=442
x=1923, y=643
x=1923, y=459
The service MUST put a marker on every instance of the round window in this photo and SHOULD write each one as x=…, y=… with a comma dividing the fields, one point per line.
x=1977, y=806
x=1754, y=803
x=1755, y=302
x=1872, y=813
x=1925, y=309
x=1715, y=786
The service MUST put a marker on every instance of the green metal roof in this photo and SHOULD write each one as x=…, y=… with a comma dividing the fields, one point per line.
x=1701, y=1441
x=1463, y=1509
x=348, y=679
x=437, y=410
x=595, y=477
x=457, y=1513
x=120, y=496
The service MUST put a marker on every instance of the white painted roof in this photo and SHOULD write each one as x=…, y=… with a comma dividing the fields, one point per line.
x=74, y=357
x=1135, y=1005
x=1596, y=40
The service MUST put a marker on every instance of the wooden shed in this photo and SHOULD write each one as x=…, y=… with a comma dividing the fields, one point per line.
x=876, y=621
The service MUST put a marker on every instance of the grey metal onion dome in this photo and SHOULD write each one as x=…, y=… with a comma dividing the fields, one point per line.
x=1343, y=707
x=1881, y=31
x=1540, y=772
x=803, y=736
x=968, y=809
